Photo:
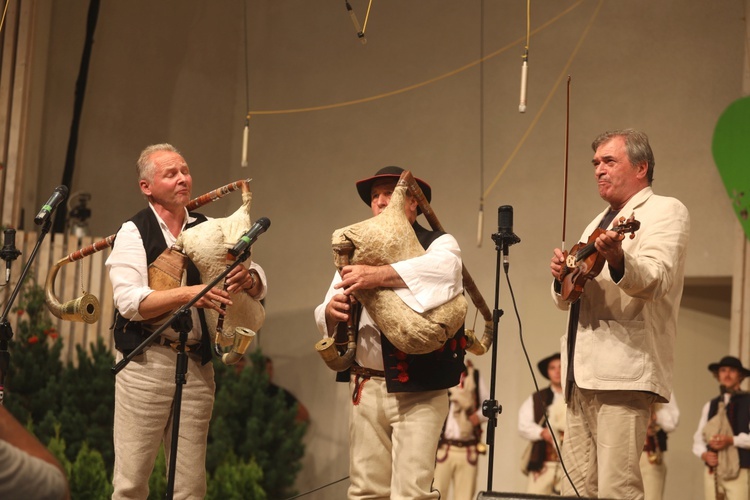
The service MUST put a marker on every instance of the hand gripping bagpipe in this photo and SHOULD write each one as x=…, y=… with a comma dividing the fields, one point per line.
x=206, y=245
x=382, y=240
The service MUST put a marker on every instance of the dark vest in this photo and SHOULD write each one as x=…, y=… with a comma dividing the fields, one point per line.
x=542, y=400
x=129, y=334
x=440, y=369
x=738, y=414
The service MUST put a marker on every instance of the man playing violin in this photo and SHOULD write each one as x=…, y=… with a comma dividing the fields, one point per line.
x=618, y=352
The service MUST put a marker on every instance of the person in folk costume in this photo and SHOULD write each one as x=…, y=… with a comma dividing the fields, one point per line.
x=722, y=439
x=461, y=439
x=543, y=464
x=145, y=388
x=399, y=400
x=664, y=420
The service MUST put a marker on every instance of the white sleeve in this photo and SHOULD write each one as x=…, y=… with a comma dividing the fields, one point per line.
x=25, y=476
x=264, y=288
x=431, y=279
x=742, y=440
x=527, y=427
x=668, y=415
x=320, y=311
x=699, y=445
x=128, y=271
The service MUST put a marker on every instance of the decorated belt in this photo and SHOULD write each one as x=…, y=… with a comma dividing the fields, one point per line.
x=366, y=372
x=459, y=444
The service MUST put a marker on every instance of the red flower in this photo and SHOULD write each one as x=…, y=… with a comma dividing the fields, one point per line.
x=463, y=342
x=402, y=366
x=33, y=339
x=20, y=312
x=403, y=377
x=453, y=344
x=400, y=355
x=51, y=332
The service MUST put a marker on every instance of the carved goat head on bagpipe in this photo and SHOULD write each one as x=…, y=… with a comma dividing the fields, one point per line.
x=385, y=239
x=206, y=245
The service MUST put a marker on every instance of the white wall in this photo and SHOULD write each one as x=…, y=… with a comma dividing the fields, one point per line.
x=175, y=71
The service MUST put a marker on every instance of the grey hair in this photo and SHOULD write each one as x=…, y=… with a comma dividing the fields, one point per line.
x=145, y=166
x=636, y=145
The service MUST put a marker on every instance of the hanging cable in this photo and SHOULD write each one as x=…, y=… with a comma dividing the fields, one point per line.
x=360, y=30
x=246, y=130
x=480, y=216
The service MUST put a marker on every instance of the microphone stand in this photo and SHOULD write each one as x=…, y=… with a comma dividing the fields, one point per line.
x=183, y=323
x=6, y=330
x=490, y=407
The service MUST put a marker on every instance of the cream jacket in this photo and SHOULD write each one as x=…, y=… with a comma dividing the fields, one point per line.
x=626, y=330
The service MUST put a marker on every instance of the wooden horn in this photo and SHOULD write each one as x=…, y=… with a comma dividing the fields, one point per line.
x=86, y=308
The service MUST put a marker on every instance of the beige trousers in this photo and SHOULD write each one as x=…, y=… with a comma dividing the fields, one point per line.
x=547, y=481
x=654, y=477
x=393, y=440
x=144, y=393
x=604, y=438
x=734, y=489
x=457, y=465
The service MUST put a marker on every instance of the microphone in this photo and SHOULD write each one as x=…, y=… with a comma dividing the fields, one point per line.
x=355, y=22
x=61, y=192
x=505, y=233
x=524, y=76
x=9, y=253
x=249, y=237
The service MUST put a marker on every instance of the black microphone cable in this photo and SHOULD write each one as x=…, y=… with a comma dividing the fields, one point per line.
x=536, y=384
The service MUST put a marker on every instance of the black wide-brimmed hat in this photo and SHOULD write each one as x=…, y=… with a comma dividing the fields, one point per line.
x=544, y=364
x=364, y=186
x=731, y=362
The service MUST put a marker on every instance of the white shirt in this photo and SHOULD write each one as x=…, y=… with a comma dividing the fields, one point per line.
x=741, y=440
x=668, y=415
x=431, y=280
x=128, y=272
x=528, y=428
x=452, y=430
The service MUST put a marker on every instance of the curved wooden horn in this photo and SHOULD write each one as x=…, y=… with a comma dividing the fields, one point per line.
x=473, y=345
x=86, y=308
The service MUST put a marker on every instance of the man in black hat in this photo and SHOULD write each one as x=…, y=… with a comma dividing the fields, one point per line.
x=399, y=400
x=724, y=434
x=543, y=465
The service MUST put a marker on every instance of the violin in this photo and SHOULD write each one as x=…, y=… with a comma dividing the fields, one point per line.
x=584, y=262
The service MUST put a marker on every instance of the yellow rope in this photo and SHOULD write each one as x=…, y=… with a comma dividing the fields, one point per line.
x=546, y=101
x=416, y=85
x=367, y=16
x=5, y=11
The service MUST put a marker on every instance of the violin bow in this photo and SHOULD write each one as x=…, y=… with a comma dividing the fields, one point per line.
x=565, y=168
